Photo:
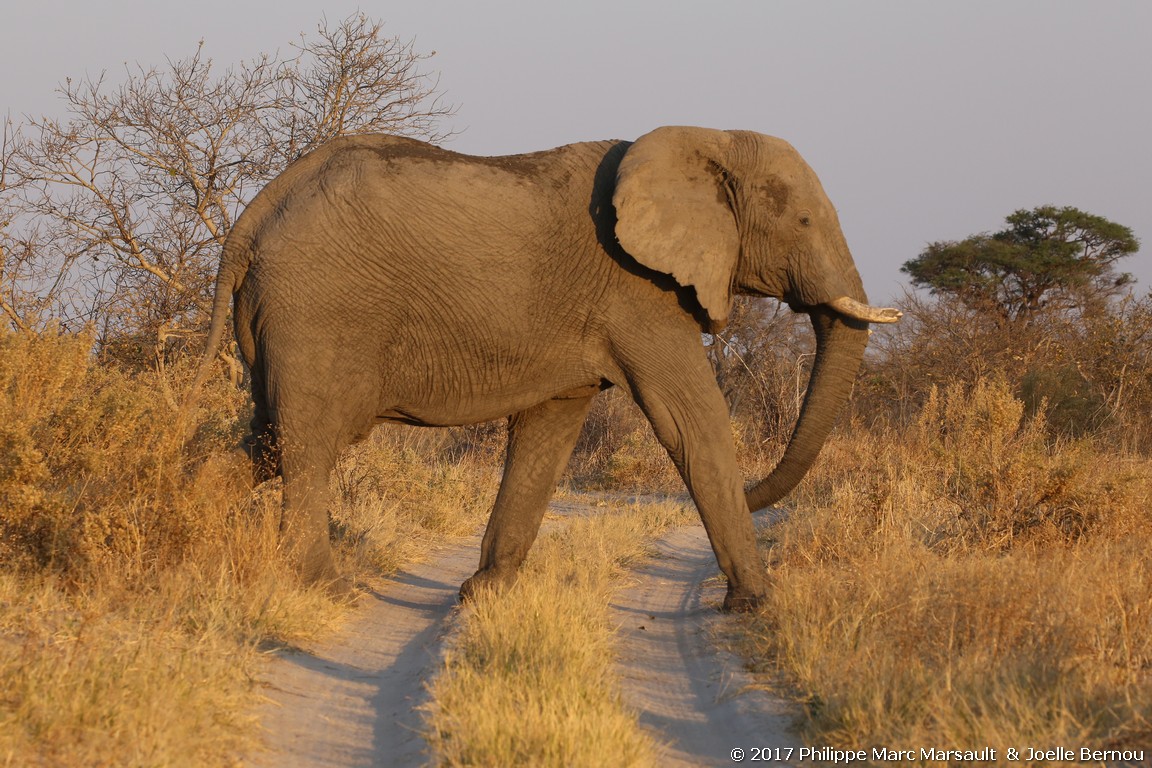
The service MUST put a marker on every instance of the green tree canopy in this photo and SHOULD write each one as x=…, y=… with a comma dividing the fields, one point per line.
x=1048, y=258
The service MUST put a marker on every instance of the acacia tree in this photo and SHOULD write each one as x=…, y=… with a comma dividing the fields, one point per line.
x=1047, y=260
x=116, y=214
x=1040, y=305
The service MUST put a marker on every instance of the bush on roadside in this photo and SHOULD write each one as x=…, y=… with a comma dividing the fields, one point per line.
x=139, y=577
x=973, y=582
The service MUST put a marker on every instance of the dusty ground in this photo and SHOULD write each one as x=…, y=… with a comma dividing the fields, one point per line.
x=696, y=695
x=351, y=700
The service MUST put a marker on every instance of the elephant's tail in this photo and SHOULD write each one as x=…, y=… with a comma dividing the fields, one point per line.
x=228, y=280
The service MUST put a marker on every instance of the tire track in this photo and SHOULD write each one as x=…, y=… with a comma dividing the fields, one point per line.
x=696, y=696
x=352, y=701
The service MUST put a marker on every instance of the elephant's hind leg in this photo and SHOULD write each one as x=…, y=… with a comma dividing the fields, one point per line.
x=310, y=438
x=540, y=442
x=261, y=443
x=304, y=522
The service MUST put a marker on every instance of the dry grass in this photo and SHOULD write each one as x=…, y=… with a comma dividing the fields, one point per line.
x=133, y=592
x=529, y=679
x=138, y=581
x=395, y=497
x=972, y=584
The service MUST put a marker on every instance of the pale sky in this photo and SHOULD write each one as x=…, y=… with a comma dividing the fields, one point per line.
x=925, y=120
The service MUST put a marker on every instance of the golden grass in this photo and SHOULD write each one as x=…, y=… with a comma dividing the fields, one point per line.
x=87, y=684
x=139, y=579
x=157, y=668
x=395, y=498
x=529, y=679
x=971, y=584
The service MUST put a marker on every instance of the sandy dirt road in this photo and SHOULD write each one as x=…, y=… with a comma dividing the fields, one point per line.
x=695, y=695
x=351, y=700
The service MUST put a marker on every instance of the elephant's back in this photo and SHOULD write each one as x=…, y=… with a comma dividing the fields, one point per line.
x=395, y=232
x=379, y=199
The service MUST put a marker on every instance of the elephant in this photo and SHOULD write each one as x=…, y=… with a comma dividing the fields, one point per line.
x=383, y=279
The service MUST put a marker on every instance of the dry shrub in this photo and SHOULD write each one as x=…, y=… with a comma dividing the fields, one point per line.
x=617, y=449
x=971, y=582
x=91, y=464
x=139, y=578
x=973, y=472
x=135, y=583
x=1009, y=479
x=639, y=464
x=1089, y=370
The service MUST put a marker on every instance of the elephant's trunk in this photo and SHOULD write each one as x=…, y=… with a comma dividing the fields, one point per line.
x=840, y=346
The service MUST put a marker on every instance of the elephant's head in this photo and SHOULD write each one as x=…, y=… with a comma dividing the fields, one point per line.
x=730, y=212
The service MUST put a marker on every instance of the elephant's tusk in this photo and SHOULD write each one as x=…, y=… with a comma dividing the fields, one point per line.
x=857, y=311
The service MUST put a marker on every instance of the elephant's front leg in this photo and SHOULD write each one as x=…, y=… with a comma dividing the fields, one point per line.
x=690, y=418
x=540, y=442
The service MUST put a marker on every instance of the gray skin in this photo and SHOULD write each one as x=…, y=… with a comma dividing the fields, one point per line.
x=381, y=279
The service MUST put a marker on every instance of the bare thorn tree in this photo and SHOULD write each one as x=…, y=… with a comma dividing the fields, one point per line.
x=12, y=258
x=116, y=215
x=351, y=79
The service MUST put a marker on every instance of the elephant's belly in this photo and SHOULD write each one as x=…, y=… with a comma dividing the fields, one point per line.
x=474, y=409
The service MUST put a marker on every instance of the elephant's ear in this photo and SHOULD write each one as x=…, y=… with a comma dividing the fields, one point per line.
x=673, y=212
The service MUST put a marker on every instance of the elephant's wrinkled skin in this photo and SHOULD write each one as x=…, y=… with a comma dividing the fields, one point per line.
x=383, y=279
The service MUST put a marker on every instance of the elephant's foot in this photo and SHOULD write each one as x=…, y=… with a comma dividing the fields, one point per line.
x=342, y=589
x=228, y=472
x=743, y=600
x=339, y=587
x=487, y=580
x=317, y=568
